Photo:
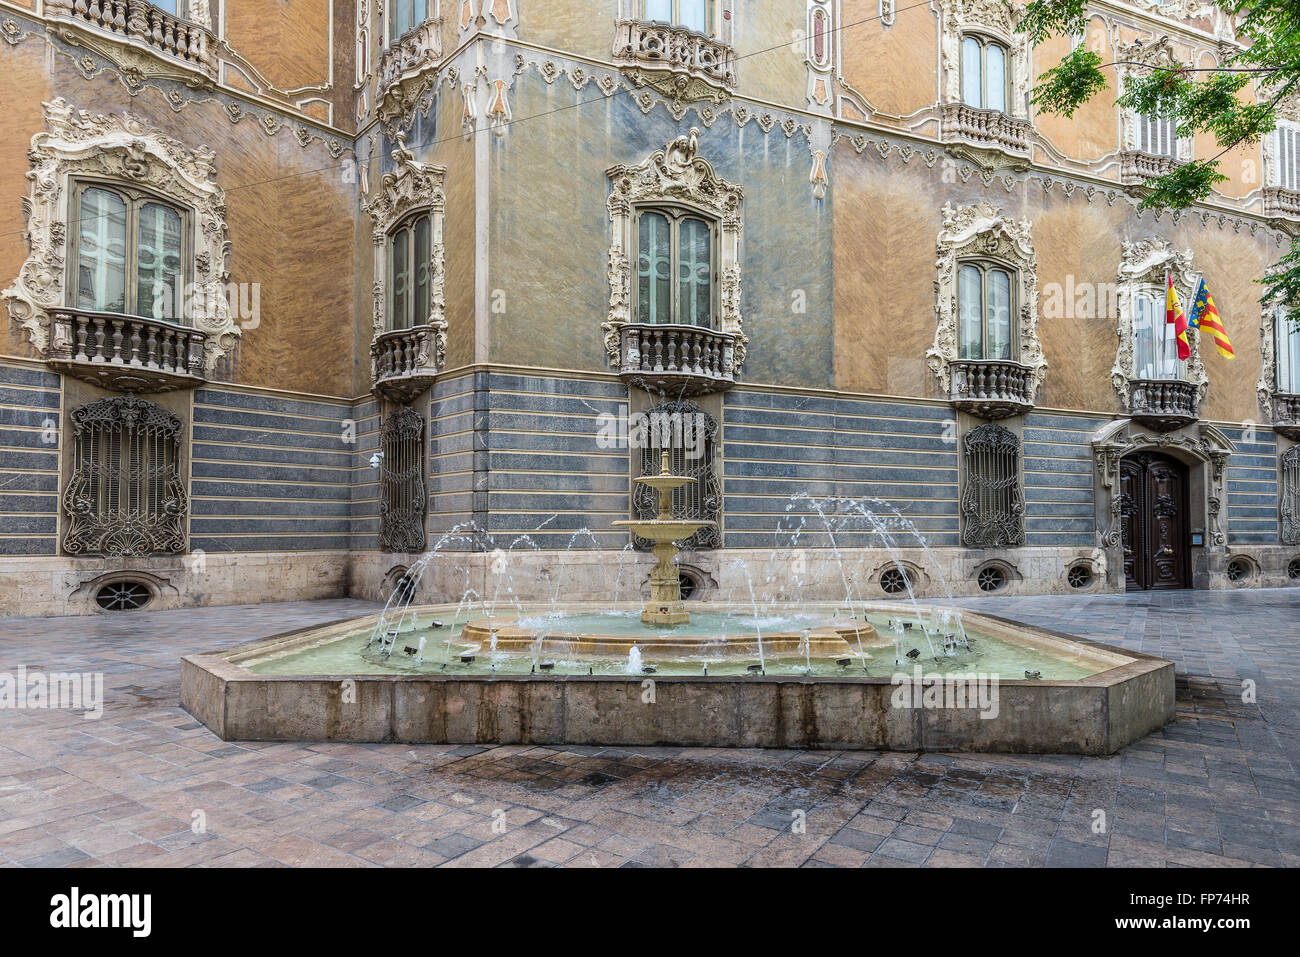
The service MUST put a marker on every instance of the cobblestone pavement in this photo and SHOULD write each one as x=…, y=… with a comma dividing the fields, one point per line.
x=1216, y=787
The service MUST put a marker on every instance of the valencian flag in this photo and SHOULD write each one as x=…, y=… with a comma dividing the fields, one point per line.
x=1205, y=316
x=1174, y=313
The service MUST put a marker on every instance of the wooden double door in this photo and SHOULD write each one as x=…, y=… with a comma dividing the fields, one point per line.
x=1153, y=507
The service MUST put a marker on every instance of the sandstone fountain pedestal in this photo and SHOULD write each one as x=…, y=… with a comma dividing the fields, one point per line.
x=665, y=606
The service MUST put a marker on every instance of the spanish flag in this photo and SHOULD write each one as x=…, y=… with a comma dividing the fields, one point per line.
x=1174, y=314
x=1206, y=316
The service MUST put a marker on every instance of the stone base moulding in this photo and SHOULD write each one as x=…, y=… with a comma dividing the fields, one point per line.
x=1096, y=715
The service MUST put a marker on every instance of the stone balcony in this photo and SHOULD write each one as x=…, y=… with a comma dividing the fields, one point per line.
x=992, y=388
x=403, y=67
x=1286, y=415
x=1164, y=404
x=1283, y=204
x=403, y=362
x=677, y=62
x=1136, y=167
x=126, y=353
x=676, y=360
x=991, y=138
x=136, y=25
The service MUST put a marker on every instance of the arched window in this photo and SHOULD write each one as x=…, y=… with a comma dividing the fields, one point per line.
x=403, y=15
x=126, y=495
x=984, y=310
x=409, y=270
x=697, y=15
x=984, y=73
x=675, y=255
x=128, y=249
x=1155, y=353
x=1157, y=134
x=1287, y=352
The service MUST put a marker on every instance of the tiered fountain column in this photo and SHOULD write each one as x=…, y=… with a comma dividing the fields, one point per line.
x=665, y=606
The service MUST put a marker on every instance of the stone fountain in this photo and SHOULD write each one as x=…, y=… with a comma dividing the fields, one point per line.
x=665, y=606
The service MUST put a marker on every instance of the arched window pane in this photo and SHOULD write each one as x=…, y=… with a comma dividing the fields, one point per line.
x=421, y=268
x=158, y=261
x=661, y=10
x=400, y=303
x=972, y=74
x=995, y=63
x=101, y=248
x=654, y=269
x=693, y=15
x=970, y=305
x=695, y=270
x=999, y=317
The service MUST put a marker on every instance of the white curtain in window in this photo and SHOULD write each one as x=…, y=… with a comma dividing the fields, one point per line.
x=1155, y=346
x=995, y=64
x=972, y=73
x=999, y=315
x=693, y=15
x=661, y=10
x=1287, y=352
x=970, y=305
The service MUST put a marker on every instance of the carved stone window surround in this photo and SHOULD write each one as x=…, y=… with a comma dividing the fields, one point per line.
x=1142, y=266
x=79, y=146
x=674, y=176
x=411, y=188
x=981, y=232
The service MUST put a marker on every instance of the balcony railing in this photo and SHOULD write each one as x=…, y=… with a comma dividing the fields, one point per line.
x=1281, y=203
x=663, y=48
x=140, y=23
x=992, y=388
x=1164, y=404
x=404, y=63
x=987, y=130
x=126, y=353
x=682, y=360
x=1286, y=415
x=1136, y=167
x=403, y=362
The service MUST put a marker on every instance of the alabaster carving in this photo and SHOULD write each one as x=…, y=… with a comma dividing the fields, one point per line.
x=990, y=18
x=981, y=231
x=120, y=149
x=410, y=187
x=674, y=175
x=1143, y=264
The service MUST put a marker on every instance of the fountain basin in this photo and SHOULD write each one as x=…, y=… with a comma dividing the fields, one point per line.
x=306, y=685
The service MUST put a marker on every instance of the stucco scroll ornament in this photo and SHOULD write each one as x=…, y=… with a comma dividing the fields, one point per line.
x=119, y=148
x=409, y=187
x=675, y=175
x=981, y=231
x=1143, y=264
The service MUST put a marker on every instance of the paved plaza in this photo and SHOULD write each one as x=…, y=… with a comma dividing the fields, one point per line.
x=1216, y=787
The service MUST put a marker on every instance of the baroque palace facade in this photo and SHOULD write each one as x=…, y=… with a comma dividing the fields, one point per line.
x=294, y=289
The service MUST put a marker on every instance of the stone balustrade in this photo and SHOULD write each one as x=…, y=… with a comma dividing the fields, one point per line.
x=1164, y=404
x=1286, y=415
x=403, y=362
x=681, y=360
x=143, y=24
x=126, y=353
x=985, y=130
x=1281, y=203
x=992, y=388
x=662, y=47
x=1136, y=167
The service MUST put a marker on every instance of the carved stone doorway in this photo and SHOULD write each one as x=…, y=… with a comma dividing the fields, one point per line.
x=1154, y=510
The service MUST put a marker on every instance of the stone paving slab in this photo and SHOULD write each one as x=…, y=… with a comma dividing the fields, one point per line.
x=1217, y=787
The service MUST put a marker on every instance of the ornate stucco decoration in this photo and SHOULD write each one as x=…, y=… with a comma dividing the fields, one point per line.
x=121, y=149
x=981, y=231
x=407, y=70
x=411, y=186
x=674, y=175
x=1205, y=445
x=679, y=64
x=1175, y=9
x=145, y=43
x=1282, y=410
x=1142, y=265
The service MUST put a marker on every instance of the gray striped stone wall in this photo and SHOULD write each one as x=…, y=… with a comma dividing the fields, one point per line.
x=1058, y=474
x=31, y=436
x=1252, y=487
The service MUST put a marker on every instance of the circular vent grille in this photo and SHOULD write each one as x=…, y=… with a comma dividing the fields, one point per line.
x=1293, y=570
x=123, y=596
x=1239, y=570
x=686, y=584
x=1080, y=576
x=990, y=579
x=893, y=581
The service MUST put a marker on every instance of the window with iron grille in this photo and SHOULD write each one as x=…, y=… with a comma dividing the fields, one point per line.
x=1290, y=496
x=126, y=495
x=992, y=505
x=689, y=436
x=401, y=482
